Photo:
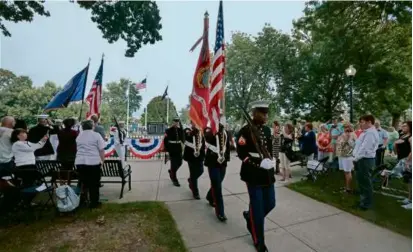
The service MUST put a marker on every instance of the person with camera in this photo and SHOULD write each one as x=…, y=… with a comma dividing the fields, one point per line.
x=286, y=151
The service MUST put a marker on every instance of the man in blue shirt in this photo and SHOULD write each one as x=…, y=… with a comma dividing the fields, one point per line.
x=383, y=139
x=364, y=159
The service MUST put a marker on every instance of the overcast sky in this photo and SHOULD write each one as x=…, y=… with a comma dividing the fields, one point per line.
x=58, y=47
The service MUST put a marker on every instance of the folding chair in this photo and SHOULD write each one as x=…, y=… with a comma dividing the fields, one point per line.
x=30, y=192
x=316, y=168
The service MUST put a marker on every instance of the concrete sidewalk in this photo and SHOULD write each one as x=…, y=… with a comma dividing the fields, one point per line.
x=298, y=223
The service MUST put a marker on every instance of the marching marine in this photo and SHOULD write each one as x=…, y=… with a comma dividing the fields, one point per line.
x=216, y=159
x=194, y=154
x=173, y=142
x=254, y=148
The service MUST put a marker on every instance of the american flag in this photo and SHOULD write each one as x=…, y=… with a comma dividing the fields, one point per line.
x=218, y=71
x=141, y=85
x=94, y=97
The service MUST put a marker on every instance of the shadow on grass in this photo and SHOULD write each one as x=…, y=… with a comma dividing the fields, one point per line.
x=144, y=225
x=386, y=211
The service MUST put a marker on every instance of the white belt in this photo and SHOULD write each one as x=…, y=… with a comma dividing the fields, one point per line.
x=213, y=148
x=254, y=154
x=190, y=145
x=174, y=142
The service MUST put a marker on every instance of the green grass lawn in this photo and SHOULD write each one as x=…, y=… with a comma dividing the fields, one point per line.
x=138, y=226
x=386, y=211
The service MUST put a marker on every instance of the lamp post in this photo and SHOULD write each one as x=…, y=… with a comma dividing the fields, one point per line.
x=351, y=72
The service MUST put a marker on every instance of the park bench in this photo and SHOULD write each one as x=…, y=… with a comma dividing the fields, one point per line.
x=113, y=168
x=109, y=169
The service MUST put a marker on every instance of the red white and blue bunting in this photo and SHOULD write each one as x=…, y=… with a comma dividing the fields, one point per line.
x=143, y=148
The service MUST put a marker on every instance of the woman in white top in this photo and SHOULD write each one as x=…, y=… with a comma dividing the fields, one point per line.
x=23, y=152
x=89, y=157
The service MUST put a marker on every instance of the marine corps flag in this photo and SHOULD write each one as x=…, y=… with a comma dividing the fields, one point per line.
x=198, y=112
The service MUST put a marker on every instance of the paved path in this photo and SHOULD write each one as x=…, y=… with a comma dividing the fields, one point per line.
x=298, y=223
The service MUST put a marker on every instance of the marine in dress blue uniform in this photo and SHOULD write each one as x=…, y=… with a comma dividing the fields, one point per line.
x=194, y=154
x=216, y=159
x=173, y=141
x=258, y=173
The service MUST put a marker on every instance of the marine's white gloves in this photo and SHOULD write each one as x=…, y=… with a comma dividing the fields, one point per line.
x=267, y=164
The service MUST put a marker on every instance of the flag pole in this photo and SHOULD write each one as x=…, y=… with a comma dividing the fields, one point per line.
x=146, y=118
x=84, y=89
x=127, y=109
x=167, y=107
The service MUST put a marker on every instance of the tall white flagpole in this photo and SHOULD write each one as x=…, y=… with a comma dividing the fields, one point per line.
x=167, y=110
x=127, y=109
x=146, y=117
x=167, y=107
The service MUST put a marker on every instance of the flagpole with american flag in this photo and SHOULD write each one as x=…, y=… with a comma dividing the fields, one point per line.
x=94, y=98
x=216, y=95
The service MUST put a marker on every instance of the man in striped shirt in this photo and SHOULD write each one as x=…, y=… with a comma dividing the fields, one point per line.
x=365, y=158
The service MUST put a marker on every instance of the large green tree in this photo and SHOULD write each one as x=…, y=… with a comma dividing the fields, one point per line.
x=156, y=110
x=375, y=37
x=246, y=80
x=114, y=96
x=136, y=22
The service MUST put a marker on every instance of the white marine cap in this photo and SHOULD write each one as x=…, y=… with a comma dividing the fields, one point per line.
x=42, y=116
x=260, y=104
x=121, y=122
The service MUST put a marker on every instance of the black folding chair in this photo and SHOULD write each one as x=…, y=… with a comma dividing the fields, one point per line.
x=37, y=186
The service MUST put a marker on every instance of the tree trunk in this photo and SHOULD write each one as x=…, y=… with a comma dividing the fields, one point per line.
x=395, y=119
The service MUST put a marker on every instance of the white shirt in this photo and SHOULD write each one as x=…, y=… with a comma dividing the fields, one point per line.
x=89, y=145
x=23, y=152
x=366, y=144
x=5, y=145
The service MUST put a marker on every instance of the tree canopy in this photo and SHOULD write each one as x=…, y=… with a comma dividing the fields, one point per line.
x=304, y=73
x=20, y=98
x=156, y=110
x=136, y=22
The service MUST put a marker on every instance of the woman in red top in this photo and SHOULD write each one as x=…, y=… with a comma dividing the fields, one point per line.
x=358, y=131
x=66, y=150
x=324, y=143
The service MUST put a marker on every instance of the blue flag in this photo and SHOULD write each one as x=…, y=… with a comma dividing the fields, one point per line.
x=73, y=91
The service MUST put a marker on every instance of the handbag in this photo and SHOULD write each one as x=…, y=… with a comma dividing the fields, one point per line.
x=67, y=199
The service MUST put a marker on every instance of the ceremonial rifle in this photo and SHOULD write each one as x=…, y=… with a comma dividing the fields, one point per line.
x=255, y=135
x=118, y=127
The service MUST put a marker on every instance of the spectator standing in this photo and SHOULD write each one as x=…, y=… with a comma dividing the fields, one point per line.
x=287, y=142
x=276, y=143
x=345, y=145
x=6, y=154
x=43, y=127
x=89, y=157
x=324, y=144
x=364, y=157
x=308, y=140
x=66, y=149
x=98, y=128
x=358, y=131
x=383, y=139
x=403, y=147
x=393, y=136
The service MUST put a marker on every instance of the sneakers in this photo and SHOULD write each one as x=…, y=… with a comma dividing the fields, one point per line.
x=405, y=201
x=407, y=206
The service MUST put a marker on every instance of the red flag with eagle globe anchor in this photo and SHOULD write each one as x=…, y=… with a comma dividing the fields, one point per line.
x=198, y=112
